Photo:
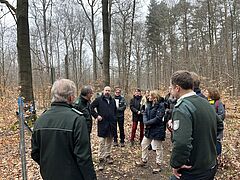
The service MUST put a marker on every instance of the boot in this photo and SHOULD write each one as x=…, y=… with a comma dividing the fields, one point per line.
x=141, y=163
x=157, y=169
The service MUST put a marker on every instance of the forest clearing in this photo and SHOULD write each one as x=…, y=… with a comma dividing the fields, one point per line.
x=124, y=166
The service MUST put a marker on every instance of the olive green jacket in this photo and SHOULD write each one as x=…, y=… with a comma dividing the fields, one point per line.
x=83, y=105
x=60, y=144
x=195, y=126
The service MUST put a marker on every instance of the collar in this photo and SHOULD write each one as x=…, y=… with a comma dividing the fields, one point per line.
x=84, y=99
x=192, y=93
x=61, y=104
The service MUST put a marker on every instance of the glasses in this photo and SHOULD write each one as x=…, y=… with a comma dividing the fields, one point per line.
x=118, y=92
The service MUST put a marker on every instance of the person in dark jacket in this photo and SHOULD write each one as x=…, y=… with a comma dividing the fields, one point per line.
x=215, y=101
x=137, y=110
x=83, y=105
x=154, y=129
x=121, y=106
x=60, y=142
x=104, y=110
x=195, y=128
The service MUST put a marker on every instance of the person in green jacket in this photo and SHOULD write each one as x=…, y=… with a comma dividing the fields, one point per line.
x=83, y=105
x=60, y=139
x=195, y=128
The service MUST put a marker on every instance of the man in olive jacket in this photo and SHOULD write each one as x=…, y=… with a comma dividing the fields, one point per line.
x=195, y=128
x=83, y=105
x=60, y=142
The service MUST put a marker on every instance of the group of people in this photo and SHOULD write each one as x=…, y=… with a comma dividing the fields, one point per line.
x=61, y=136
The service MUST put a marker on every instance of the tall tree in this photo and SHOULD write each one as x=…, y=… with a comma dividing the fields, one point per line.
x=106, y=42
x=23, y=48
x=93, y=41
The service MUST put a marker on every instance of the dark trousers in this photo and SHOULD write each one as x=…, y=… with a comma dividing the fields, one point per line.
x=120, y=122
x=134, y=128
x=207, y=175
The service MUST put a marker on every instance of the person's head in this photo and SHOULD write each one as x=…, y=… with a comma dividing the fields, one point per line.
x=137, y=92
x=63, y=90
x=181, y=82
x=106, y=91
x=147, y=93
x=196, y=80
x=213, y=94
x=87, y=92
x=154, y=96
x=117, y=91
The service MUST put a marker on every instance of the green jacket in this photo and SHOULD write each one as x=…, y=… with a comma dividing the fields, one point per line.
x=83, y=105
x=60, y=144
x=195, y=127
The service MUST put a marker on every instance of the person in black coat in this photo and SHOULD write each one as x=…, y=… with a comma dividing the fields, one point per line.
x=60, y=142
x=121, y=106
x=137, y=110
x=104, y=110
x=154, y=129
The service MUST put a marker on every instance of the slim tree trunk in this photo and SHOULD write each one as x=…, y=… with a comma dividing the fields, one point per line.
x=106, y=43
x=130, y=47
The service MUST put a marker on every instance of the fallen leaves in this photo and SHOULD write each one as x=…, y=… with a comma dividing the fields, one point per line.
x=124, y=157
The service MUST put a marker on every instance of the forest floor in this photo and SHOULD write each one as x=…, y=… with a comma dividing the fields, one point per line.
x=124, y=166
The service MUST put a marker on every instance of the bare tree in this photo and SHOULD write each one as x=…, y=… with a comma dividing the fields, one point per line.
x=106, y=41
x=91, y=19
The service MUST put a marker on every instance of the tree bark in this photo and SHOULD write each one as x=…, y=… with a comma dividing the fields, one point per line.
x=106, y=43
x=23, y=47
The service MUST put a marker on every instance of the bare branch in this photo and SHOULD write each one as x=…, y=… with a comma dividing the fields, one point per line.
x=8, y=5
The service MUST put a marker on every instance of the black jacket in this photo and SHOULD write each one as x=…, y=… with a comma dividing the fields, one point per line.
x=122, y=106
x=135, y=106
x=83, y=105
x=153, y=120
x=60, y=145
x=108, y=125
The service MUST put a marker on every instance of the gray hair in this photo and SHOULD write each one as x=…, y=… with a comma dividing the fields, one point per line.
x=62, y=89
x=86, y=90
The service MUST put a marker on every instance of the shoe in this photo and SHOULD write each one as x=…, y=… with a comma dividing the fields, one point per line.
x=122, y=144
x=157, y=169
x=115, y=144
x=101, y=165
x=109, y=160
x=141, y=164
x=150, y=147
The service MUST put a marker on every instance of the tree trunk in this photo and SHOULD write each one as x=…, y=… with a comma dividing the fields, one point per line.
x=106, y=43
x=130, y=47
x=23, y=47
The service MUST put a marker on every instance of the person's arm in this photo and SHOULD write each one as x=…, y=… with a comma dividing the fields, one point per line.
x=35, y=153
x=94, y=105
x=133, y=109
x=158, y=117
x=221, y=110
x=123, y=105
x=220, y=127
x=182, y=139
x=145, y=118
x=82, y=150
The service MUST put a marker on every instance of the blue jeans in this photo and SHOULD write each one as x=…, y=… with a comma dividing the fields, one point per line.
x=207, y=175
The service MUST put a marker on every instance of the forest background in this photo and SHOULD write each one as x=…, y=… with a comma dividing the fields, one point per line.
x=148, y=41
